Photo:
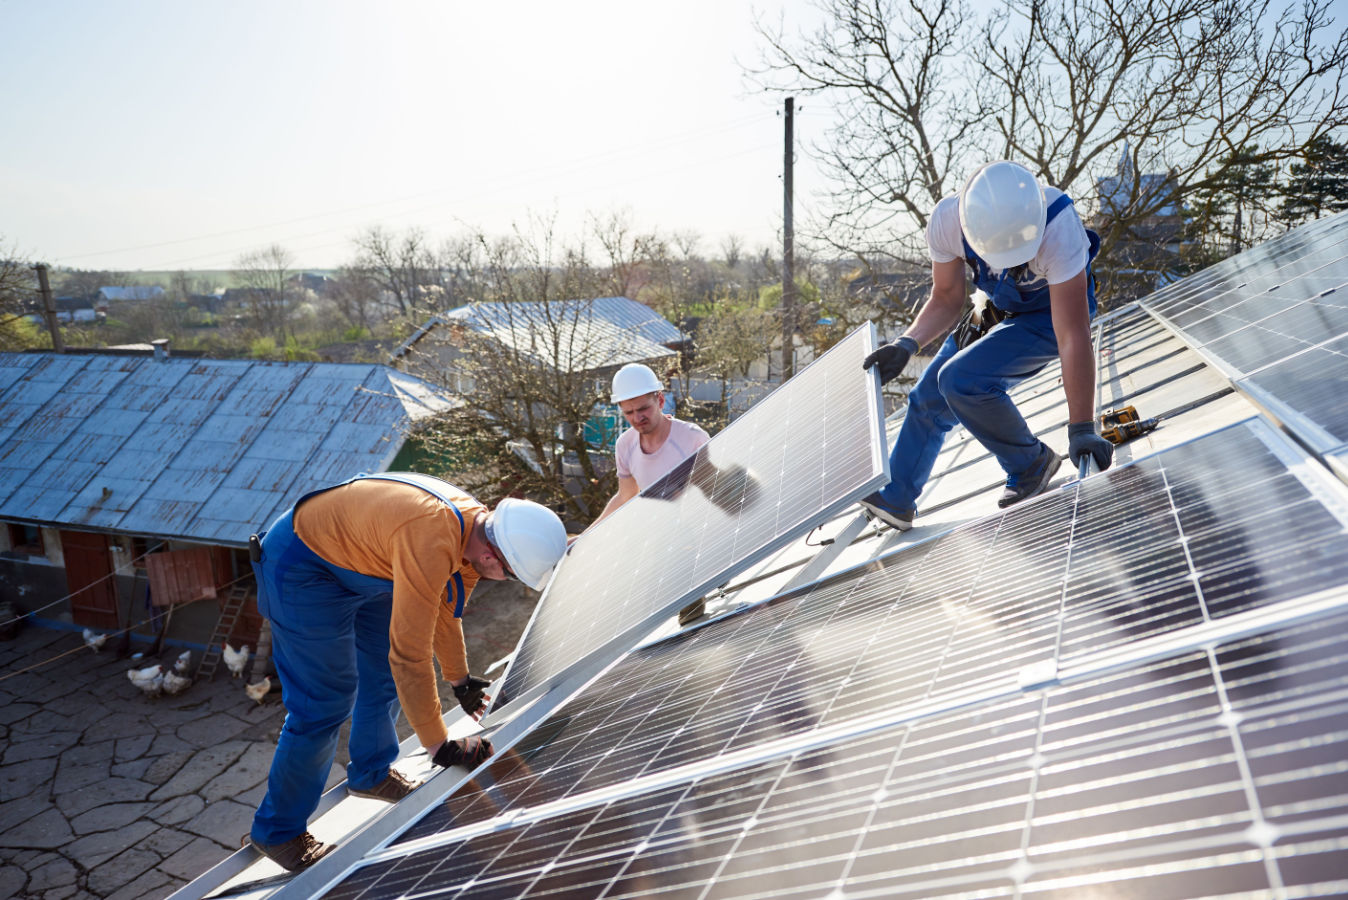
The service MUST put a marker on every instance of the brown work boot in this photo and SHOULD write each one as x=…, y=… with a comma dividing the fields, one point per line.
x=300, y=852
x=693, y=611
x=393, y=788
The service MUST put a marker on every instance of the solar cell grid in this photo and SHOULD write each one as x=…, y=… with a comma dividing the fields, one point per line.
x=1279, y=308
x=1312, y=383
x=1071, y=575
x=808, y=449
x=1198, y=775
x=1292, y=254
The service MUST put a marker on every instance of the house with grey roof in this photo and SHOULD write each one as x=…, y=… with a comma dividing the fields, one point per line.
x=1144, y=210
x=588, y=337
x=598, y=335
x=133, y=293
x=109, y=461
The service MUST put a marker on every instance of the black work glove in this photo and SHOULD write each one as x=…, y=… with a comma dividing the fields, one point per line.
x=1082, y=440
x=471, y=694
x=470, y=752
x=889, y=359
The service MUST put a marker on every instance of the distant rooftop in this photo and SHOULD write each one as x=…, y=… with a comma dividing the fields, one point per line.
x=594, y=334
x=194, y=449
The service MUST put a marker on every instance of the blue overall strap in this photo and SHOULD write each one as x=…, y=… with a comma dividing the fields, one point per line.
x=454, y=590
x=1056, y=207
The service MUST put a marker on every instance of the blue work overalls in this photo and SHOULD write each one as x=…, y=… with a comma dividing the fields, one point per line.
x=330, y=643
x=970, y=386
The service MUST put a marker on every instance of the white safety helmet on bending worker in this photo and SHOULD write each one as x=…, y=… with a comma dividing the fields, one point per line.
x=634, y=380
x=530, y=537
x=1003, y=214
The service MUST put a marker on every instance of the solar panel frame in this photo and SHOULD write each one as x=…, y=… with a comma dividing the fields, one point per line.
x=688, y=564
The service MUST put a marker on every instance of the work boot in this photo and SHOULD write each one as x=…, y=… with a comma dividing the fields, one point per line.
x=393, y=788
x=873, y=503
x=693, y=611
x=1035, y=481
x=300, y=852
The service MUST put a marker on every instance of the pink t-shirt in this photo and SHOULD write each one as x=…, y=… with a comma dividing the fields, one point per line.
x=647, y=468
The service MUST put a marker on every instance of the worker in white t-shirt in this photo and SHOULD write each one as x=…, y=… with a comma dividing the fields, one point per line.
x=1028, y=252
x=656, y=442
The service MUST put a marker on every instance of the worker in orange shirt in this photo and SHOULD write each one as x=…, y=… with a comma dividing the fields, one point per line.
x=363, y=585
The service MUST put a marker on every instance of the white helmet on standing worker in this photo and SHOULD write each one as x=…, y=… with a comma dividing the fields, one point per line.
x=530, y=537
x=1003, y=214
x=634, y=380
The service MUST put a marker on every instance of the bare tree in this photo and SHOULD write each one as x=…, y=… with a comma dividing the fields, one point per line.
x=403, y=266
x=732, y=250
x=264, y=276
x=736, y=335
x=531, y=365
x=356, y=296
x=87, y=282
x=925, y=91
x=16, y=293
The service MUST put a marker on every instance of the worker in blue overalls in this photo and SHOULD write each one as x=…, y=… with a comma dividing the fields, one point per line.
x=1030, y=255
x=364, y=584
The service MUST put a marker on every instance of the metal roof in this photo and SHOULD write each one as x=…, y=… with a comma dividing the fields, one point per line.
x=194, y=449
x=590, y=334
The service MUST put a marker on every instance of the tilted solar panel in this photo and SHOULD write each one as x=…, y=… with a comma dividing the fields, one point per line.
x=1276, y=318
x=824, y=741
x=805, y=452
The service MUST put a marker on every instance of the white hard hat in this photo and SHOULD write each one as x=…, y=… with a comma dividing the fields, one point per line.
x=633, y=380
x=530, y=537
x=1003, y=215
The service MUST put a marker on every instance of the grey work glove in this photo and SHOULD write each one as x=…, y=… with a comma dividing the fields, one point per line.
x=889, y=359
x=1082, y=440
x=470, y=694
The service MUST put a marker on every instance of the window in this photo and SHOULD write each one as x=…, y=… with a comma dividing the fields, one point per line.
x=26, y=539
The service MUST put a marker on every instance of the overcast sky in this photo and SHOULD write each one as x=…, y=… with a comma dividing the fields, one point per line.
x=163, y=134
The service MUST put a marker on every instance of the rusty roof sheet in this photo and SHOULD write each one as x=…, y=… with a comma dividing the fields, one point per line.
x=205, y=450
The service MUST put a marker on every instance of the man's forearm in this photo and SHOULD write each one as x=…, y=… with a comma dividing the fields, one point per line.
x=1078, y=379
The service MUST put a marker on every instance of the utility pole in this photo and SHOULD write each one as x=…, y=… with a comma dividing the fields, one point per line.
x=788, y=249
x=49, y=308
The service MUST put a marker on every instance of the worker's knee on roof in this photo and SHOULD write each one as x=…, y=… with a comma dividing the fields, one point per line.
x=956, y=383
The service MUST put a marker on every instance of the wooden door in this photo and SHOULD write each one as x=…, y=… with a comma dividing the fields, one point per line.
x=89, y=578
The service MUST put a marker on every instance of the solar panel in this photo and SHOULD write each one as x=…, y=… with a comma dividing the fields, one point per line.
x=1211, y=772
x=805, y=452
x=1303, y=384
x=743, y=753
x=1275, y=318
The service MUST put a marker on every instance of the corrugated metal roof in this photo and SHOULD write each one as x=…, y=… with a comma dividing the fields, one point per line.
x=591, y=334
x=207, y=450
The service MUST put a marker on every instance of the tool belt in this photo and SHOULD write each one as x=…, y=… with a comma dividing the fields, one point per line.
x=970, y=329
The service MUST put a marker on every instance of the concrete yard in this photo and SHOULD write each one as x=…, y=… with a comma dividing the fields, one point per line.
x=107, y=793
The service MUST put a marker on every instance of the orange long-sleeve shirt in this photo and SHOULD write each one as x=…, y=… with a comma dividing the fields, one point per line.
x=399, y=532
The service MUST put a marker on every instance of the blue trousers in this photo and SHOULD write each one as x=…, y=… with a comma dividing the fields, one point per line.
x=969, y=387
x=330, y=643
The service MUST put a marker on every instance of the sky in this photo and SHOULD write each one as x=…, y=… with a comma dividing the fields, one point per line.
x=158, y=135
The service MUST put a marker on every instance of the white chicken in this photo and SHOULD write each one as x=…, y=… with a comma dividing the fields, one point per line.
x=93, y=640
x=235, y=660
x=260, y=690
x=176, y=680
x=149, y=679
